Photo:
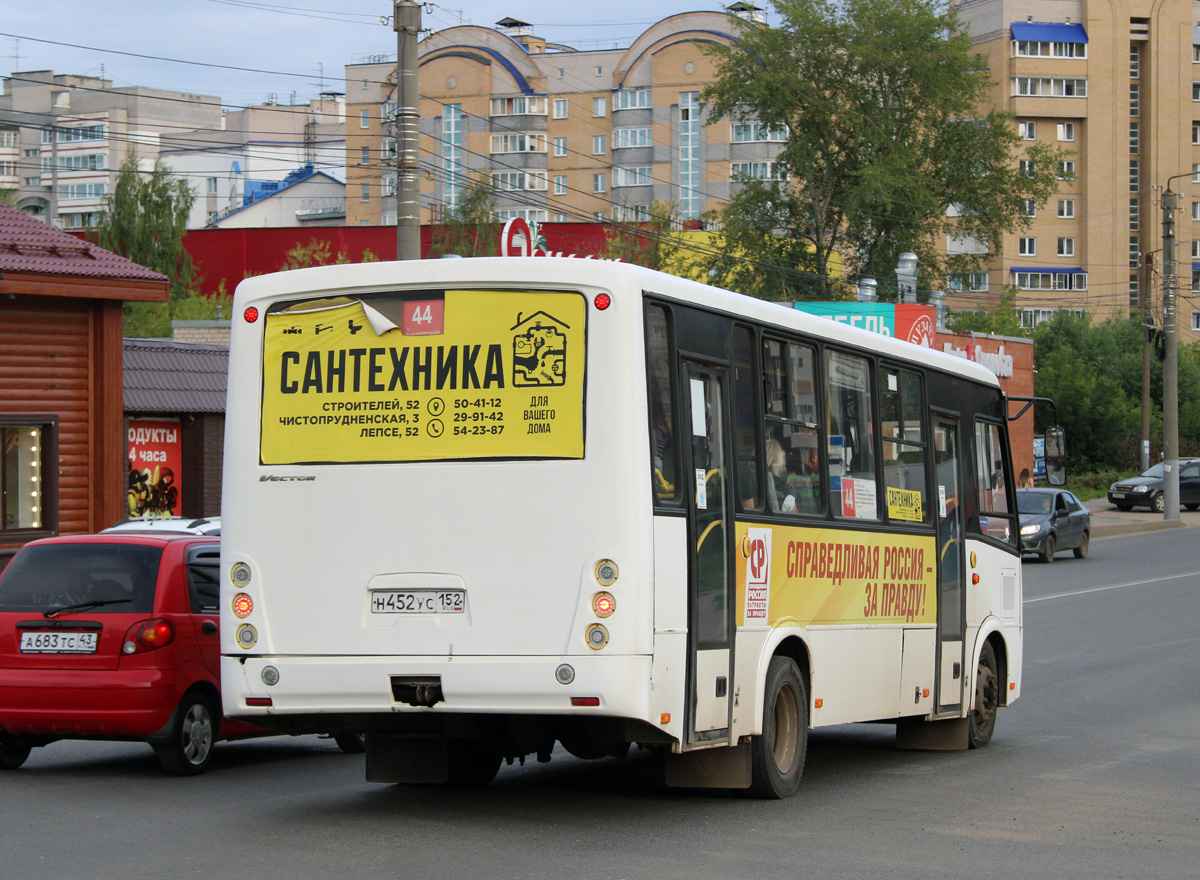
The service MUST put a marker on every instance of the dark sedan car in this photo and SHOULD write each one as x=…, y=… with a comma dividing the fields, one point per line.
x=1147, y=490
x=1053, y=520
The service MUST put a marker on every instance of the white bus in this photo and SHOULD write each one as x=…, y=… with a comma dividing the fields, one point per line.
x=477, y=507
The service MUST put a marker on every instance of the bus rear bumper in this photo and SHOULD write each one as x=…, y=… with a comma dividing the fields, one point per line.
x=616, y=686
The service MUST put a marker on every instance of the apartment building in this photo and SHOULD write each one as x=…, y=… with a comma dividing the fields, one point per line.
x=258, y=146
x=1118, y=84
x=560, y=135
x=67, y=136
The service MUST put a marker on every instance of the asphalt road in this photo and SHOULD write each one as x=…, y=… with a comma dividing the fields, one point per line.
x=1094, y=773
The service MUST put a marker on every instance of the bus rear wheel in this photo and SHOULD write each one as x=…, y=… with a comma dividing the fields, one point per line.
x=777, y=754
x=981, y=723
x=469, y=764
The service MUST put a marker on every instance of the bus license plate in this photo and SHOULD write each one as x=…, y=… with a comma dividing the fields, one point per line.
x=418, y=601
x=34, y=642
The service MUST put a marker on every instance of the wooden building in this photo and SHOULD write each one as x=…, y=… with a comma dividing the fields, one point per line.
x=62, y=467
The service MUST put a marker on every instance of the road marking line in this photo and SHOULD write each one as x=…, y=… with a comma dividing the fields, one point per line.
x=1174, y=577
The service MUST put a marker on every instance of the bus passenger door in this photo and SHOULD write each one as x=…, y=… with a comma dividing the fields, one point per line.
x=710, y=579
x=951, y=595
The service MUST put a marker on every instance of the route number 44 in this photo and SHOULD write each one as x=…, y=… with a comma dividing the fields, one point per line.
x=424, y=317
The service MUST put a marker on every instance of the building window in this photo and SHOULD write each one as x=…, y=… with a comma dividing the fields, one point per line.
x=453, y=167
x=560, y=108
x=1026, y=167
x=212, y=186
x=633, y=99
x=1135, y=99
x=598, y=183
x=211, y=217
x=598, y=216
x=1027, y=247
x=1066, y=169
x=756, y=132
x=1028, y=207
x=1135, y=137
x=1196, y=321
x=1196, y=132
x=1066, y=131
x=364, y=192
x=1135, y=175
x=1027, y=130
x=1196, y=210
x=1196, y=91
x=599, y=70
x=1066, y=208
x=560, y=184
x=757, y=171
x=387, y=189
x=510, y=181
x=560, y=146
x=1135, y=252
x=25, y=496
x=364, y=156
x=1196, y=249
x=632, y=176
x=1047, y=49
x=1195, y=173
x=1066, y=247
x=1135, y=215
x=631, y=137
x=364, y=119
x=974, y=282
x=1135, y=292
x=520, y=106
x=598, y=145
x=519, y=142
x=599, y=106
x=689, y=155
x=1049, y=86
x=1135, y=61
x=560, y=218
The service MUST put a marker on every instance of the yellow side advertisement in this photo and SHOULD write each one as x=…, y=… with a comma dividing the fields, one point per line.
x=790, y=575
x=467, y=374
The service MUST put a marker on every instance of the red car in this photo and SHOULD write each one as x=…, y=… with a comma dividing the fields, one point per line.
x=115, y=637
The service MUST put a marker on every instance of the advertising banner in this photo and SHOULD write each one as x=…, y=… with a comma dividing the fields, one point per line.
x=460, y=374
x=155, y=483
x=816, y=576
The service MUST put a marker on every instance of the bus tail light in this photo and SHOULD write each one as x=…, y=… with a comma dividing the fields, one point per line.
x=585, y=701
x=259, y=701
x=602, y=301
x=148, y=635
x=251, y=314
x=242, y=606
x=603, y=604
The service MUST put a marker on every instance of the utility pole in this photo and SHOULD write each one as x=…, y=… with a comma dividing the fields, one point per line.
x=1170, y=362
x=407, y=24
x=906, y=278
x=1147, y=330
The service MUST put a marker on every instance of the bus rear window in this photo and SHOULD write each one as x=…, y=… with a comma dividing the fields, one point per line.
x=424, y=376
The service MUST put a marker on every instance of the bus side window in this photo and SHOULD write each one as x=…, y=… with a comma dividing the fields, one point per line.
x=904, y=451
x=664, y=445
x=991, y=466
x=745, y=420
x=792, y=439
x=848, y=396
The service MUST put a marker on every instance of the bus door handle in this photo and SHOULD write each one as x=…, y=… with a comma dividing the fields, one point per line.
x=722, y=686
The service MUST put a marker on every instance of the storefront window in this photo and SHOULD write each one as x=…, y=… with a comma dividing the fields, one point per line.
x=22, y=491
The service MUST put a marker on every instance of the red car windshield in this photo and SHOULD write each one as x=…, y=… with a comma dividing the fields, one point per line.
x=99, y=578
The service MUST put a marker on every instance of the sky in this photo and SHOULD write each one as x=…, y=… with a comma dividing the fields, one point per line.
x=298, y=48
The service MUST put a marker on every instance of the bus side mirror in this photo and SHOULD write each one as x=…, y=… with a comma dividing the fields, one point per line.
x=1056, y=456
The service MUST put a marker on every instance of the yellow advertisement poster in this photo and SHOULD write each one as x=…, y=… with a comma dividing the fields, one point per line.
x=790, y=575
x=467, y=374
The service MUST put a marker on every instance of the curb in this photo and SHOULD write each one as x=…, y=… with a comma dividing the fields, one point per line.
x=1117, y=529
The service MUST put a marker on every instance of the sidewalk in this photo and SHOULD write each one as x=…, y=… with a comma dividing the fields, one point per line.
x=1108, y=522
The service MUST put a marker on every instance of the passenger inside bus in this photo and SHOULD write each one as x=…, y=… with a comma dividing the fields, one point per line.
x=780, y=496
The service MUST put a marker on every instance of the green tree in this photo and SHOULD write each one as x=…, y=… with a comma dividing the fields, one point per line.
x=880, y=104
x=145, y=221
x=470, y=228
x=320, y=253
x=1002, y=320
x=657, y=243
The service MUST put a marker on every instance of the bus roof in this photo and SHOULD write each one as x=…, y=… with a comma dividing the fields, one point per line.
x=575, y=272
